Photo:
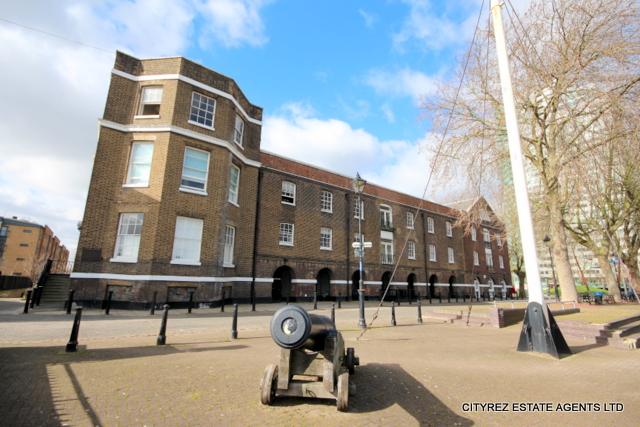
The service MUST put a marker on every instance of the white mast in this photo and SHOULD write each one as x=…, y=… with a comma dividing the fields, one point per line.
x=517, y=166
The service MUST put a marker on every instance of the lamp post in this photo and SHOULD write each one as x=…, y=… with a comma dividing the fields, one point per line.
x=358, y=187
x=546, y=241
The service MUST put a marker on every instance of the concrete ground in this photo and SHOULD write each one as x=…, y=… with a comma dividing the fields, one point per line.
x=429, y=374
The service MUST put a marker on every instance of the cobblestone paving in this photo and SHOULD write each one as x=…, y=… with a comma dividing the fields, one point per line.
x=410, y=375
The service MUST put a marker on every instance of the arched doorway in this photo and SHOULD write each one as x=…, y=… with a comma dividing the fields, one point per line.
x=355, y=283
x=386, y=279
x=281, y=287
x=323, y=284
x=432, y=285
x=411, y=280
x=452, y=280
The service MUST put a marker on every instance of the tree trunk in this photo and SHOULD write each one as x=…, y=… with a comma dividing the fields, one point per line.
x=561, y=256
x=634, y=277
x=521, y=276
x=609, y=276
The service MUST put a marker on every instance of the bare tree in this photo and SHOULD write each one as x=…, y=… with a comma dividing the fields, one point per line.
x=571, y=61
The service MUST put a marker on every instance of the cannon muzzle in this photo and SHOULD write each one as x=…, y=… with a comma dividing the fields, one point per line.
x=293, y=328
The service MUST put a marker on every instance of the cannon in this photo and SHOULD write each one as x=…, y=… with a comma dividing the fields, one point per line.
x=313, y=361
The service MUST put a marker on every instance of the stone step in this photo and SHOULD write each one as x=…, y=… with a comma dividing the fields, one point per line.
x=631, y=342
x=627, y=329
x=619, y=323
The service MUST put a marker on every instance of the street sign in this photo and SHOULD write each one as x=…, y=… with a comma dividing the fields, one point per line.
x=366, y=245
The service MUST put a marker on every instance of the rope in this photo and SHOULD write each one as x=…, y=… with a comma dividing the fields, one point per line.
x=429, y=177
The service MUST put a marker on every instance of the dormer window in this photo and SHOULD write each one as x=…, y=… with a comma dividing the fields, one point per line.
x=150, y=101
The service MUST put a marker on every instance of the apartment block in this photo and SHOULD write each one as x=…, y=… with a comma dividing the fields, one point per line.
x=182, y=200
x=25, y=248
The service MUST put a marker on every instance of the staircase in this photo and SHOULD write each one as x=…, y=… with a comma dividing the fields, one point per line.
x=625, y=333
x=56, y=290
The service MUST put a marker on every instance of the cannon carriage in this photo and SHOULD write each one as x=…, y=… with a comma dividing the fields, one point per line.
x=313, y=360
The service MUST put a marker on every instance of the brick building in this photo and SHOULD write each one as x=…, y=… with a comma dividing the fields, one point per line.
x=25, y=248
x=183, y=200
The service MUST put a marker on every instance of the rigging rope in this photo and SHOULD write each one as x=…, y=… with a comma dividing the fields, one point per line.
x=434, y=161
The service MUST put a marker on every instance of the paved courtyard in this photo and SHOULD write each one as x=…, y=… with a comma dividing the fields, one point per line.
x=427, y=374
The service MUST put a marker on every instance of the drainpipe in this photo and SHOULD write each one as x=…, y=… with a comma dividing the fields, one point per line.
x=426, y=251
x=255, y=243
x=348, y=245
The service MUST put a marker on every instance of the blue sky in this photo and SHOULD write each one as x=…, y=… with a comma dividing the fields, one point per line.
x=341, y=83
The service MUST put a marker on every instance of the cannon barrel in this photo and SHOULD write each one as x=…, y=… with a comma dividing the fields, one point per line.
x=293, y=328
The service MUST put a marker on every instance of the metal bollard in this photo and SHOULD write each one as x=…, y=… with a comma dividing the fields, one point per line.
x=27, y=301
x=339, y=302
x=222, y=302
x=32, y=303
x=108, y=307
x=315, y=300
x=393, y=313
x=72, y=345
x=419, y=310
x=234, y=324
x=69, y=302
x=440, y=298
x=333, y=314
x=162, y=336
x=153, y=303
x=190, y=302
x=39, y=290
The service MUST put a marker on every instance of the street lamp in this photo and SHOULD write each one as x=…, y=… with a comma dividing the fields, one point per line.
x=358, y=187
x=546, y=241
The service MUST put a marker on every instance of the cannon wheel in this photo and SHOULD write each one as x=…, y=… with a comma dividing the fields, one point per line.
x=269, y=384
x=342, y=401
x=351, y=360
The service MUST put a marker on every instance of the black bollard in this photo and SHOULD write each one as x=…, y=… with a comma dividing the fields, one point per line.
x=190, y=302
x=234, y=324
x=32, y=303
x=315, y=300
x=72, y=345
x=153, y=303
x=38, y=295
x=333, y=314
x=162, y=336
x=222, y=302
x=339, y=302
x=393, y=313
x=108, y=307
x=419, y=310
x=440, y=298
x=27, y=301
x=69, y=302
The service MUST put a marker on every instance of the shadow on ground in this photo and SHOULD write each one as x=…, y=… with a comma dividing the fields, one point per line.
x=380, y=386
x=28, y=394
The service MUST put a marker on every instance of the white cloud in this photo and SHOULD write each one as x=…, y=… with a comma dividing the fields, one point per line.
x=335, y=145
x=388, y=113
x=402, y=82
x=233, y=22
x=368, y=18
x=54, y=90
x=434, y=30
